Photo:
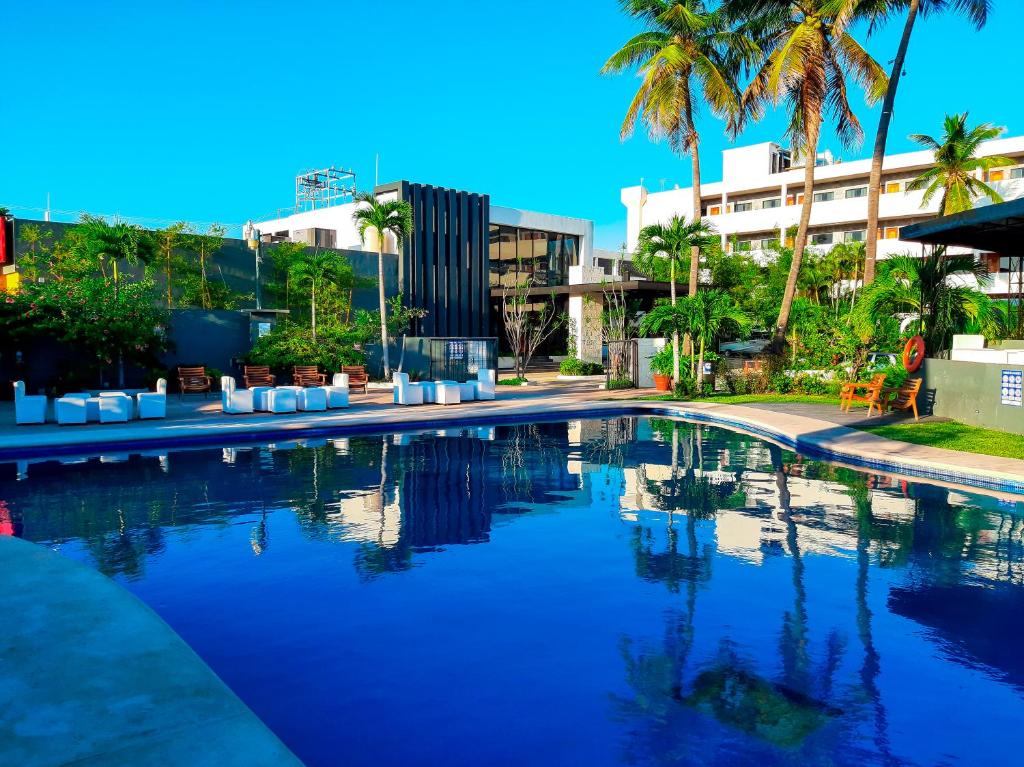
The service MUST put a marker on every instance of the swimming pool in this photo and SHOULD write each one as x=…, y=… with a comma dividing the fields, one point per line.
x=627, y=591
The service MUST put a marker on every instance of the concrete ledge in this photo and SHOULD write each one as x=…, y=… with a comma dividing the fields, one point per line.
x=90, y=676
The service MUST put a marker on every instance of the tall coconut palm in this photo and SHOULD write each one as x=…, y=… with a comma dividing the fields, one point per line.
x=937, y=290
x=394, y=217
x=316, y=271
x=809, y=54
x=677, y=242
x=957, y=165
x=685, y=55
x=880, y=10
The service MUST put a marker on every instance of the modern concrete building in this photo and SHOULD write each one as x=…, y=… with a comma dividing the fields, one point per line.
x=761, y=191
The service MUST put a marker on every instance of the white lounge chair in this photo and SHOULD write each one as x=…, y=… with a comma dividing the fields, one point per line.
x=406, y=393
x=484, y=386
x=448, y=392
x=153, y=404
x=115, y=407
x=312, y=398
x=337, y=391
x=28, y=408
x=234, y=400
x=71, y=410
x=282, y=399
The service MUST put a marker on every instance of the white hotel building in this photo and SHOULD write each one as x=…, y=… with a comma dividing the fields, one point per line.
x=761, y=193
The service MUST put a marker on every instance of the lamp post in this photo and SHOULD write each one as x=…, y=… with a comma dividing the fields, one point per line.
x=252, y=238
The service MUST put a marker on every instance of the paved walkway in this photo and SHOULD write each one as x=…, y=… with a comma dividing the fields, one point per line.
x=91, y=677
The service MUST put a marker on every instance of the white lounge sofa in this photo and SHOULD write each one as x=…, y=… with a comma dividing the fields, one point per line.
x=234, y=400
x=337, y=391
x=448, y=392
x=115, y=407
x=406, y=393
x=28, y=408
x=71, y=409
x=484, y=385
x=153, y=404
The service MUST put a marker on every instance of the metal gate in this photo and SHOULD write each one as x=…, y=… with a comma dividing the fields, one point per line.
x=623, y=361
x=459, y=359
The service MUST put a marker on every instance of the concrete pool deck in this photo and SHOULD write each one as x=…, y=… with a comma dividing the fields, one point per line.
x=90, y=676
x=817, y=430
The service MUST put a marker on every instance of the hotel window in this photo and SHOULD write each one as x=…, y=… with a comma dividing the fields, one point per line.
x=715, y=210
x=1016, y=172
x=824, y=196
x=857, y=235
x=743, y=207
x=775, y=202
x=891, y=187
x=996, y=175
x=860, y=191
x=892, y=233
x=795, y=199
x=824, y=238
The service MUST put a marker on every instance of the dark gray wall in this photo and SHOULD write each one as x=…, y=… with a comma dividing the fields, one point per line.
x=970, y=392
x=443, y=267
x=211, y=338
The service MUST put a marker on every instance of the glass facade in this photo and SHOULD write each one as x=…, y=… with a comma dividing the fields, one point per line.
x=517, y=254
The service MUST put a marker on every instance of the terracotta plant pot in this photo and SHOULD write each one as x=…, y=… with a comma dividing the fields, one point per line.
x=662, y=383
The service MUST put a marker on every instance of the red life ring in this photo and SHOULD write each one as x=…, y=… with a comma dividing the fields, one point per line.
x=911, y=361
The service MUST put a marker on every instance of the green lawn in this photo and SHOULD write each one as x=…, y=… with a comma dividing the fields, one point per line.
x=954, y=436
x=753, y=399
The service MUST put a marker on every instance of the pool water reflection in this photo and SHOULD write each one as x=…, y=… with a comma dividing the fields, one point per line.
x=630, y=591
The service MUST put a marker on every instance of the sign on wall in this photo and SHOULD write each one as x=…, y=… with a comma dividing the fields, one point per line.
x=1012, y=388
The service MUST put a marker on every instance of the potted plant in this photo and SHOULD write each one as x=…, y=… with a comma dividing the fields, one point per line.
x=661, y=366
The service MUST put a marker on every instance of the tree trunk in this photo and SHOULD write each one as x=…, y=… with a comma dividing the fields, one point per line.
x=881, y=138
x=383, y=308
x=167, y=276
x=700, y=370
x=692, y=285
x=811, y=155
x=312, y=311
x=675, y=333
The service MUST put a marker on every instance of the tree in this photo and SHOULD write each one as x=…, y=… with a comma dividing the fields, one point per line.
x=619, y=324
x=113, y=243
x=712, y=313
x=977, y=12
x=956, y=163
x=686, y=53
x=284, y=255
x=316, y=270
x=527, y=323
x=675, y=241
x=168, y=240
x=394, y=217
x=677, y=319
x=809, y=56
x=203, y=247
x=36, y=244
x=933, y=288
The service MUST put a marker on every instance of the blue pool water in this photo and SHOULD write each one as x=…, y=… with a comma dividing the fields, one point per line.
x=632, y=591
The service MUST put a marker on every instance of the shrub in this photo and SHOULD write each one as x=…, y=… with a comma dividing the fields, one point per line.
x=511, y=381
x=572, y=366
x=620, y=383
x=291, y=344
x=661, y=363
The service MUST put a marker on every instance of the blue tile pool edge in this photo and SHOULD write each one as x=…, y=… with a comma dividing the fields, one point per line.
x=552, y=413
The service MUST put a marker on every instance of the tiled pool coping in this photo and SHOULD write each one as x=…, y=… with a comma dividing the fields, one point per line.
x=811, y=437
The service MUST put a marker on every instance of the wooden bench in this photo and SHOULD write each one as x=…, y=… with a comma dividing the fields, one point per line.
x=357, y=378
x=307, y=375
x=903, y=398
x=258, y=375
x=851, y=392
x=193, y=380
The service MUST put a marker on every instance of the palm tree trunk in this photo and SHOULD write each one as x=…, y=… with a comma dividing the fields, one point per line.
x=383, y=308
x=692, y=286
x=881, y=138
x=700, y=369
x=675, y=333
x=811, y=150
x=312, y=310
x=167, y=277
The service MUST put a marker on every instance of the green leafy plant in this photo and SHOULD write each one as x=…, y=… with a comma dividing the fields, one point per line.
x=576, y=367
x=663, y=361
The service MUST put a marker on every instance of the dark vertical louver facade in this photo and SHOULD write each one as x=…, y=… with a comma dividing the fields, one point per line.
x=443, y=267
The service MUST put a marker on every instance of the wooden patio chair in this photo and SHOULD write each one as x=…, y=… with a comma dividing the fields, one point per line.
x=308, y=375
x=903, y=398
x=193, y=380
x=258, y=375
x=851, y=392
x=357, y=378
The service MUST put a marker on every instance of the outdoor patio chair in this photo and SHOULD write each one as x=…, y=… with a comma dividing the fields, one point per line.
x=484, y=385
x=406, y=393
x=153, y=404
x=903, y=398
x=357, y=378
x=28, y=408
x=850, y=391
x=193, y=380
x=281, y=399
x=115, y=407
x=234, y=400
x=258, y=375
x=307, y=375
x=71, y=410
x=337, y=391
x=312, y=398
x=448, y=392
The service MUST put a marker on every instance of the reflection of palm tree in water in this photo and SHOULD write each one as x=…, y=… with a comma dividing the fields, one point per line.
x=259, y=538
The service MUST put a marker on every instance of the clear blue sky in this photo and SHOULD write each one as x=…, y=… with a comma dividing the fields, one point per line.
x=206, y=111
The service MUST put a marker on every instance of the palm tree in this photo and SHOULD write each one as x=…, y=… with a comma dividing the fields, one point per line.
x=675, y=242
x=115, y=242
x=713, y=312
x=394, y=217
x=809, y=56
x=676, y=319
x=316, y=270
x=935, y=289
x=956, y=165
x=686, y=53
x=977, y=12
